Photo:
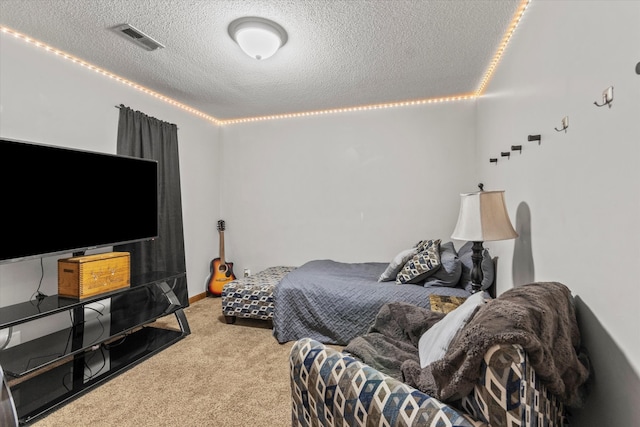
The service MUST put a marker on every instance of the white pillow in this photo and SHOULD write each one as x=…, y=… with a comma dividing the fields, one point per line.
x=396, y=265
x=433, y=344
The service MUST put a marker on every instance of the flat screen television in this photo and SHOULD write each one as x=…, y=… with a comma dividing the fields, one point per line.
x=59, y=200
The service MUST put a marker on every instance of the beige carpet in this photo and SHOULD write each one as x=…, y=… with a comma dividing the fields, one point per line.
x=220, y=375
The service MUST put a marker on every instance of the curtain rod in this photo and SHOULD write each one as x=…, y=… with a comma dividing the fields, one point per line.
x=124, y=106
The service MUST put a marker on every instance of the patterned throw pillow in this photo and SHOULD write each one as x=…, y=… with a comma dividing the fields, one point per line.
x=421, y=265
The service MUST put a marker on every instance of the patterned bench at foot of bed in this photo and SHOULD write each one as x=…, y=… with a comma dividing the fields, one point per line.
x=252, y=296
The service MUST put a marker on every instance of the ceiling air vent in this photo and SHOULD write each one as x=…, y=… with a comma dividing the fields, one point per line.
x=137, y=36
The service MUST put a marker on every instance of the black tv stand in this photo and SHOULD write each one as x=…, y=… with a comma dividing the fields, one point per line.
x=49, y=371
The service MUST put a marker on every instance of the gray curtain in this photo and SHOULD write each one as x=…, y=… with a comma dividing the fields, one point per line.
x=146, y=137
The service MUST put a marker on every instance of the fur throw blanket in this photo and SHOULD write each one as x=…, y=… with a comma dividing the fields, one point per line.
x=393, y=337
x=540, y=317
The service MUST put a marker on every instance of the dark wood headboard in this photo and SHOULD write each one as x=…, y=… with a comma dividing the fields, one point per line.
x=492, y=290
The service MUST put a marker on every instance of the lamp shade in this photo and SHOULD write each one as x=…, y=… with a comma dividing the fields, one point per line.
x=483, y=217
x=259, y=38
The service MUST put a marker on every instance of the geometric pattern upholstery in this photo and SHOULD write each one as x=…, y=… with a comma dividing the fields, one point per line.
x=8, y=414
x=252, y=296
x=422, y=264
x=509, y=393
x=330, y=388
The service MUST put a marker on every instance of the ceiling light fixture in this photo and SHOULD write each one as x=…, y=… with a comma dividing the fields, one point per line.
x=259, y=38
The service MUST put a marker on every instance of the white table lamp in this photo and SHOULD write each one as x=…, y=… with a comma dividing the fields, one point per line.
x=483, y=217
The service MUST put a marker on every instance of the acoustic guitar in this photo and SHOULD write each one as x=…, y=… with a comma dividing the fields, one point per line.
x=221, y=270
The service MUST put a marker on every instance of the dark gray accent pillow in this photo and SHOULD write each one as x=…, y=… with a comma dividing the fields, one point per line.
x=450, y=269
x=488, y=269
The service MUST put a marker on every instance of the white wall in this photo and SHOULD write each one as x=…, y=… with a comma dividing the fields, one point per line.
x=45, y=98
x=350, y=187
x=582, y=187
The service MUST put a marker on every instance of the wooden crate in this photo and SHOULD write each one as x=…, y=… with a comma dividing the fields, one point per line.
x=89, y=275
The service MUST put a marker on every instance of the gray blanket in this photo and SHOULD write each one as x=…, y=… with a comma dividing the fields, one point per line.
x=393, y=337
x=540, y=317
x=334, y=302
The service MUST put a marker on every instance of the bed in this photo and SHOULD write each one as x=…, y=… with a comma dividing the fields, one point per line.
x=333, y=302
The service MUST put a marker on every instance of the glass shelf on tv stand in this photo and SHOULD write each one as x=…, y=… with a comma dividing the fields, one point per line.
x=27, y=311
x=48, y=371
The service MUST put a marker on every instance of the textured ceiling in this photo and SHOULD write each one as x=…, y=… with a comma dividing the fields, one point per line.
x=340, y=53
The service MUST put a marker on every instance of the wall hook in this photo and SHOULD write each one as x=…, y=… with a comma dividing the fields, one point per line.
x=565, y=125
x=607, y=97
x=534, y=138
x=516, y=148
x=493, y=160
x=506, y=154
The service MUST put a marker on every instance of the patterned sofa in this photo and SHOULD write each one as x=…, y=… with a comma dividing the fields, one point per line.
x=331, y=388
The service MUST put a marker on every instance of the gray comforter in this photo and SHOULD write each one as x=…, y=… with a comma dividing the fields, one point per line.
x=334, y=302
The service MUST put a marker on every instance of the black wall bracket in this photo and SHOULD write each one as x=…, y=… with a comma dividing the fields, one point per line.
x=535, y=138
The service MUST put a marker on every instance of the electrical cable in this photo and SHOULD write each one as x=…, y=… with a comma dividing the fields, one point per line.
x=86, y=364
x=37, y=294
x=113, y=344
x=98, y=319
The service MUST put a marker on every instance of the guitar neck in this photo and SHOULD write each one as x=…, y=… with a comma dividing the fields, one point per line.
x=222, y=261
